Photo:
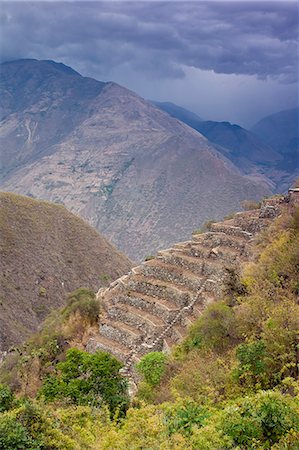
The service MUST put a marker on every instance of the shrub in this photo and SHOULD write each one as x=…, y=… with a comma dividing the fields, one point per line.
x=42, y=291
x=88, y=379
x=233, y=287
x=252, y=368
x=265, y=417
x=152, y=367
x=249, y=205
x=149, y=257
x=6, y=398
x=214, y=329
x=14, y=435
x=184, y=416
x=85, y=303
x=230, y=215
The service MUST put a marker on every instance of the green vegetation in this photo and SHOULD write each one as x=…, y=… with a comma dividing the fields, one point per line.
x=149, y=257
x=6, y=398
x=232, y=384
x=206, y=226
x=105, y=279
x=83, y=302
x=249, y=205
x=230, y=215
x=42, y=291
x=152, y=367
x=45, y=250
x=69, y=326
x=87, y=379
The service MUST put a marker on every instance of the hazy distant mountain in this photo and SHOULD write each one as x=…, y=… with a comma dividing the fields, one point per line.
x=188, y=117
x=270, y=148
x=239, y=145
x=45, y=253
x=143, y=178
x=281, y=132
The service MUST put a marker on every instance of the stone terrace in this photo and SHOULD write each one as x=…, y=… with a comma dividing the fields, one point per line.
x=151, y=308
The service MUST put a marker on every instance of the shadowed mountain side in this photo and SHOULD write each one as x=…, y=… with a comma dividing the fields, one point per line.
x=268, y=151
x=46, y=252
x=281, y=132
x=188, y=117
x=141, y=177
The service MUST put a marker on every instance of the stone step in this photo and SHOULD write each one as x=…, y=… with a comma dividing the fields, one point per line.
x=172, y=292
x=231, y=230
x=196, y=266
x=178, y=333
x=102, y=343
x=197, y=252
x=213, y=287
x=215, y=239
x=183, y=260
x=121, y=332
x=171, y=274
x=155, y=305
x=189, y=320
x=198, y=309
x=145, y=322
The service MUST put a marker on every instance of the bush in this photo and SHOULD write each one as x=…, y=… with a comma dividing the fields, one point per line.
x=215, y=329
x=152, y=367
x=14, y=436
x=149, y=257
x=6, y=398
x=252, y=368
x=88, y=379
x=85, y=303
x=183, y=417
x=265, y=417
x=249, y=205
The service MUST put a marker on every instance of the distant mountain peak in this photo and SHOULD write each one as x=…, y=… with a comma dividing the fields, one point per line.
x=43, y=63
x=142, y=177
x=177, y=111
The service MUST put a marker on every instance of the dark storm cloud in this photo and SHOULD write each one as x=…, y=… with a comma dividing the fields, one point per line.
x=160, y=39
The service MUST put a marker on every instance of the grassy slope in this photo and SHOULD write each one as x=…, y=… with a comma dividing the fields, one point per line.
x=232, y=384
x=46, y=252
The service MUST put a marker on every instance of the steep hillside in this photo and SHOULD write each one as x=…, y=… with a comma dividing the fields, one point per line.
x=186, y=116
x=281, y=132
x=125, y=166
x=46, y=252
x=231, y=383
x=248, y=150
x=150, y=308
x=41, y=102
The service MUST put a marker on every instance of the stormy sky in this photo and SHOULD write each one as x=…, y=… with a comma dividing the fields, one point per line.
x=235, y=61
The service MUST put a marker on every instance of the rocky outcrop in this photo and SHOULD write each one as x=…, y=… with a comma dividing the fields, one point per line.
x=151, y=308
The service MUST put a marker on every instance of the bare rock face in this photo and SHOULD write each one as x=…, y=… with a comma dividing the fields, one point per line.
x=45, y=253
x=141, y=177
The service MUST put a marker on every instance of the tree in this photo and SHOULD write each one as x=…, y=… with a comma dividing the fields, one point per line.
x=88, y=379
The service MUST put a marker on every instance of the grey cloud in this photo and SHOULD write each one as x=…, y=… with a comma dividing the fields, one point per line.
x=157, y=38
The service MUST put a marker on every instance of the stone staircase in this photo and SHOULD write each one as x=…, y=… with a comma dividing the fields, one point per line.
x=151, y=308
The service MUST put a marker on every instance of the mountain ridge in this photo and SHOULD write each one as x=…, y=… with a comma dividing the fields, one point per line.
x=251, y=150
x=123, y=164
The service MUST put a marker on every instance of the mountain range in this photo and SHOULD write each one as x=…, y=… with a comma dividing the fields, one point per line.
x=270, y=148
x=143, y=178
